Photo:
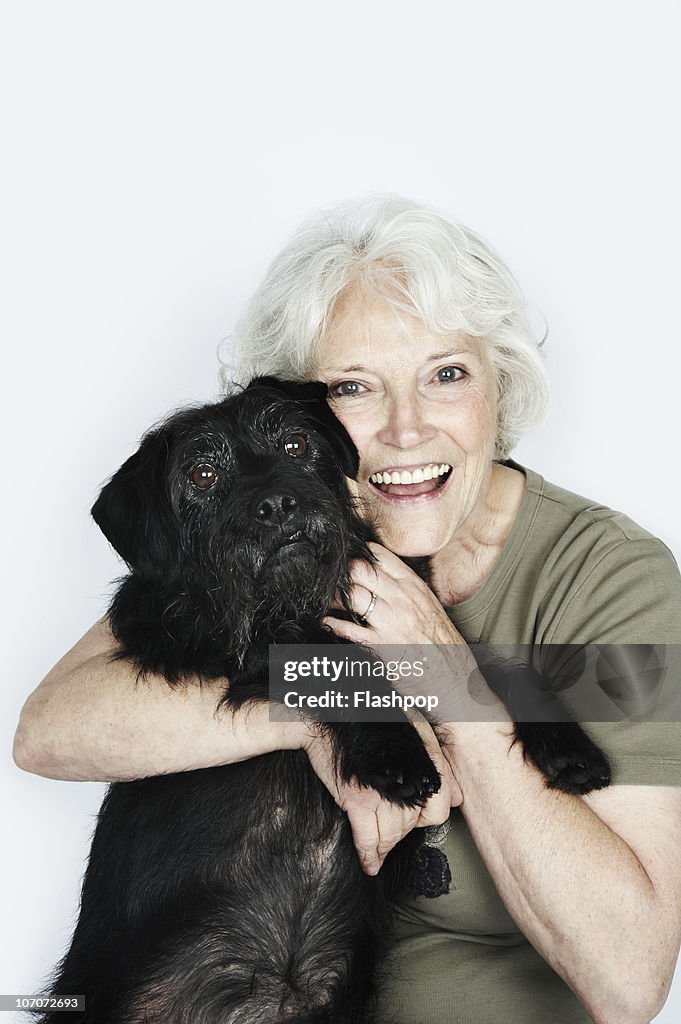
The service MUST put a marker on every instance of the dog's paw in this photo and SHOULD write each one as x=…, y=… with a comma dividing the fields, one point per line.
x=399, y=769
x=579, y=777
x=570, y=761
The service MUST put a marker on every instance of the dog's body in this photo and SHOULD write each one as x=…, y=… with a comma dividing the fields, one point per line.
x=234, y=894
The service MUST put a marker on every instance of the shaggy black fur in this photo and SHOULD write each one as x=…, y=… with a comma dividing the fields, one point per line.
x=234, y=894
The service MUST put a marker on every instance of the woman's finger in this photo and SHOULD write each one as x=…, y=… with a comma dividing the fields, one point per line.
x=376, y=829
x=362, y=598
x=394, y=581
x=365, y=836
x=346, y=630
x=365, y=575
x=438, y=807
x=389, y=562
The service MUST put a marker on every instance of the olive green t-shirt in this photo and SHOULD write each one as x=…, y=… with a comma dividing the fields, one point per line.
x=572, y=572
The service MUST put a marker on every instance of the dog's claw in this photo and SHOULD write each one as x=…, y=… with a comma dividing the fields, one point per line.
x=405, y=794
x=406, y=787
x=579, y=779
x=428, y=786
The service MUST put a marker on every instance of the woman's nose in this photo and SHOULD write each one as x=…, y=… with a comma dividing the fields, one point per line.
x=406, y=422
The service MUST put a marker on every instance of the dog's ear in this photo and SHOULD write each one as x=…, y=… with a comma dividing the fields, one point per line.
x=133, y=511
x=314, y=394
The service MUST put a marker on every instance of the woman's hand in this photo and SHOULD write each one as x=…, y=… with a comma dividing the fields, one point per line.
x=405, y=610
x=377, y=825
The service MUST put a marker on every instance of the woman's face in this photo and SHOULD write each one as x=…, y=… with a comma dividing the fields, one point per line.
x=416, y=404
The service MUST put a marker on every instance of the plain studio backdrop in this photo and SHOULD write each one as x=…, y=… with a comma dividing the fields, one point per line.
x=156, y=155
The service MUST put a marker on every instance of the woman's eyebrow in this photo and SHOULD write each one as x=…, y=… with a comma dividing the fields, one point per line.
x=432, y=358
x=451, y=354
x=351, y=369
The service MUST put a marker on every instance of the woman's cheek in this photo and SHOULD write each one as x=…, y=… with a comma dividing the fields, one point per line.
x=472, y=423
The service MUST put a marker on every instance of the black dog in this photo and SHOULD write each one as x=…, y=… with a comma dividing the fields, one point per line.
x=234, y=894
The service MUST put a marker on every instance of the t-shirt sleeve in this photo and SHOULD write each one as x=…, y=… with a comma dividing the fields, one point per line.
x=627, y=591
x=625, y=606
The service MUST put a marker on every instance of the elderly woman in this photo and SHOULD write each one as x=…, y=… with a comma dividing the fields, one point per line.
x=561, y=908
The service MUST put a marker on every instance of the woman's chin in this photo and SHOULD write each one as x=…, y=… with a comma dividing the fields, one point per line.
x=412, y=530
x=406, y=544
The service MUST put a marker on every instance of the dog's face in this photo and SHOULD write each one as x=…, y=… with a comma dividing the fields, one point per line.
x=242, y=503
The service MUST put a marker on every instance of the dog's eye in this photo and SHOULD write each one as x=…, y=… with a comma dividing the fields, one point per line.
x=203, y=476
x=295, y=445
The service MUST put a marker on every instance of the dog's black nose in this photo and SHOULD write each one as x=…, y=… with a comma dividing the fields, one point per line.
x=276, y=509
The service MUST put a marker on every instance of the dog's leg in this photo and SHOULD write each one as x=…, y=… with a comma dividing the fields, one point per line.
x=551, y=738
x=564, y=753
x=387, y=756
x=382, y=751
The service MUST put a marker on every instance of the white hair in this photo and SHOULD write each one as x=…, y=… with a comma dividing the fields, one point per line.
x=423, y=264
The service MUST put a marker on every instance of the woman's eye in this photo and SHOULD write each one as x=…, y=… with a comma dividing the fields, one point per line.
x=295, y=445
x=203, y=476
x=345, y=389
x=449, y=373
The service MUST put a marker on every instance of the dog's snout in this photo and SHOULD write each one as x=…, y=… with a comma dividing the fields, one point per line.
x=276, y=509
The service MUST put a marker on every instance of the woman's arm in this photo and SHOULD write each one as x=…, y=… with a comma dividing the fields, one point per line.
x=92, y=719
x=594, y=883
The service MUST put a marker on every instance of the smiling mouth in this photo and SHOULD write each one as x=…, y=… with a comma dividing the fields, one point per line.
x=412, y=483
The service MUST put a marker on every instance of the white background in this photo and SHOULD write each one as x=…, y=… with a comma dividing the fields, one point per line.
x=156, y=155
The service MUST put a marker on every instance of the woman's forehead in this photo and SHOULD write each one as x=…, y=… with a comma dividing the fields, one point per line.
x=364, y=316
x=371, y=329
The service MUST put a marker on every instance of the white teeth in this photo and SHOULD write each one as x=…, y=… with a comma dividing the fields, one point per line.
x=417, y=476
